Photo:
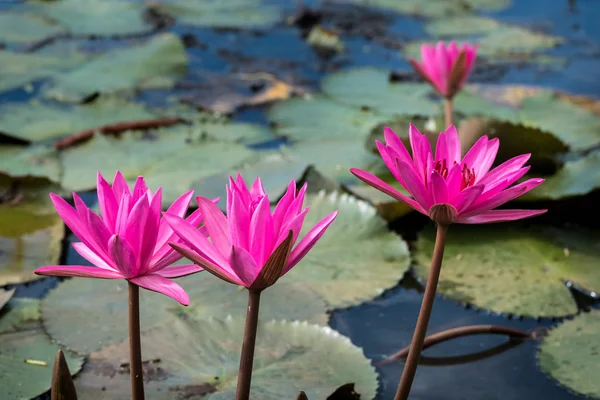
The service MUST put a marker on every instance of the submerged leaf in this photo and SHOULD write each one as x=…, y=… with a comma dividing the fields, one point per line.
x=149, y=65
x=570, y=353
x=198, y=359
x=346, y=274
x=513, y=270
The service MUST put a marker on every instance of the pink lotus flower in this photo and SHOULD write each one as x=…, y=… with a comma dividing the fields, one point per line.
x=446, y=68
x=251, y=242
x=130, y=240
x=467, y=185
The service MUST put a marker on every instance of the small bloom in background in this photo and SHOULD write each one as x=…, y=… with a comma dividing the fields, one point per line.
x=129, y=240
x=251, y=246
x=467, y=185
x=446, y=68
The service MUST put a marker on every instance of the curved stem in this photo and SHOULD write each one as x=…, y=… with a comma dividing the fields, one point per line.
x=135, y=345
x=247, y=358
x=454, y=333
x=448, y=112
x=416, y=345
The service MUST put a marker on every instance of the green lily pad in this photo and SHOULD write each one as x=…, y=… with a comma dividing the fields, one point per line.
x=236, y=132
x=153, y=64
x=199, y=360
x=575, y=178
x=32, y=161
x=347, y=275
x=369, y=87
x=217, y=14
x=26, y=360
x=20, y=313
x=461, y=26
x=389, y=208
x=334, y=157
x=36, y=121
x=575, y=125
x=90, y=17
x=212, y=297
x=86, y=314
x=274, y=169
x=436, y=8
x=513, y=39
x=513, y=270
x=18, y=69
x=571, y=351
x=173, y=158
x=5, y=296
x=328, y=119
x=17, y=27
x=30, y=237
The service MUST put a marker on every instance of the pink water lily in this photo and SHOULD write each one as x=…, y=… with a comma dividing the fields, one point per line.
x=466, y=184
x=446, y=68
x=129, y=240
x=251, y=237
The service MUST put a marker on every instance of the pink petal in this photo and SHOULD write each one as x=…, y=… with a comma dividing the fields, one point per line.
x=389, y=158
x=308, y=241
x=282, y=206
x=257, y=188
x=120, y=186
x=414, y=185
x=378, y=184
x=454, y=181
x=123, y=255
x=78, y=270
x=196, y=240
x=82, y=209
x=176, y=271
x=294, y=225
x=453, y=145
x=150, y=232
x=441, y=149
x=139, y=188
x=467, y=197
x=179, y=208
x=70, y=217
x=244, y=265
x=488, y=159
x=438, y=189
x=136, y=223
x=420, y=150
x=393, y=141
x=442, y=62
x=216, y=270
x=504, y=197
x=99, y=233
x=499, y=185
x=109, y=207
x=476, y=153
x=122, y=214
x=499, y=216
x=157, y=283
x=216, y=225
x=91, y=256
x=240, y=225
x=430, y=65
x=504, y=169
x=262, y=236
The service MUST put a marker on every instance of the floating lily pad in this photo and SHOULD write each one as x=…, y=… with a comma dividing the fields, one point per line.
x=575, y=178
x=334, y=157
x=18, y=69
x=274, y=169
x=30, y=237
x=570, y=353
x=150, y=65
x=321, y=118
x=215, y=13
x=90, y=17
x=513, y=270
x=86, y=314
x=513, y=39
x=346, y=274
x=436, y=8
x=20, y=313
x=26, y=360
x=212, y=297
x=17, y=27
x=461, y=26
x=232, y=132
x=5, y=296
x=369, y=87
x=35, y=122
x=33, y=161
x=199, y=359
x=172, y=158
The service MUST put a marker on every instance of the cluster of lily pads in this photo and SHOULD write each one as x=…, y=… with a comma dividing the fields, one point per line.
x=72, y=89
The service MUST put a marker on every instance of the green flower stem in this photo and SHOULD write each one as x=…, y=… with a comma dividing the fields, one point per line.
x=135, y=346
x=448, y=112
x=416, y=345
x=247, y=357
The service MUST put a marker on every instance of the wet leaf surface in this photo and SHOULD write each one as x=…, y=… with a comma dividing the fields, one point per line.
x=197, y=358
x=495, y=269
x=25, y=27
x=569, y=353
x=346, y=275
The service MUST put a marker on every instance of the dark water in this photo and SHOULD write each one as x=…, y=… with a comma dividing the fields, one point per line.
x=480, y=367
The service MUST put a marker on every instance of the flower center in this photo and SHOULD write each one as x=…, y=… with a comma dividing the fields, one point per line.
x=468, y=175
